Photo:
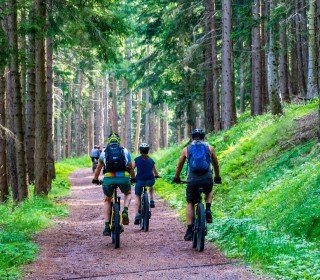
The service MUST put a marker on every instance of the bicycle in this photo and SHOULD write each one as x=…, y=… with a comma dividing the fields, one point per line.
x=199, y=222
x=144, y=210
x=115, y=220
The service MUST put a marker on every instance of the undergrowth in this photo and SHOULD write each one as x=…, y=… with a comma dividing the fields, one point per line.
x=267, y=211
x=19, y=224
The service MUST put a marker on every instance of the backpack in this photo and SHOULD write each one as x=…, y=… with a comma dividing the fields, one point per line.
x=95, y=153
x=115, y=158
x=199, y=158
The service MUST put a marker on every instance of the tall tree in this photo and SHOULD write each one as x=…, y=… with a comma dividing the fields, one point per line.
x=14, y=76
x=41, y=135
x=228, y=110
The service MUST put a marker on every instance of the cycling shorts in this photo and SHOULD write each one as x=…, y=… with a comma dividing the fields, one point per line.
x=192, y=193
x=122, y=182
x=141, y=183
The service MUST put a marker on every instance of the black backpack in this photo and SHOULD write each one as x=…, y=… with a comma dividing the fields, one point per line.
x=115, y=158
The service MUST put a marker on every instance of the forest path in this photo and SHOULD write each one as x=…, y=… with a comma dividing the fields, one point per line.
x=75, y=248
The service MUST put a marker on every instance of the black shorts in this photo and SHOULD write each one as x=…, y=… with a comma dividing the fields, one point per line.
x=192, y=192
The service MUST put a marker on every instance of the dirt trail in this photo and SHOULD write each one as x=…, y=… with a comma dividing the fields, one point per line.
x=75, y=248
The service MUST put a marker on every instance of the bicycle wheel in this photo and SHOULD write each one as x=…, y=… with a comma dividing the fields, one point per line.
x=116, y=227
x=145, y=212
x=200, y=227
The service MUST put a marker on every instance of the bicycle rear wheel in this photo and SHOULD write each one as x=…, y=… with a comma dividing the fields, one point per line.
x=116, y=227
x=200, y=227
x=145, y=212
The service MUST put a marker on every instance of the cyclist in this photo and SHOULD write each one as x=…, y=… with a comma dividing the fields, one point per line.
x=200, y=156
x=117, y=168
x=146, y=174
x=95, y=153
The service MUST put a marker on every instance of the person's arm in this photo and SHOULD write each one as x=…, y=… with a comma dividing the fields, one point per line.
x=214, y=162
x=181, y=162
x=131, y=170
x=155, y=171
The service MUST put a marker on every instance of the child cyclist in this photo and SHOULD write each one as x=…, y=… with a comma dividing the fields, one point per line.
x=146, y=174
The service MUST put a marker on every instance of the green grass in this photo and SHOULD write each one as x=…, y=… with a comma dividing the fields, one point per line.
x=19, y=224
x=267, y=211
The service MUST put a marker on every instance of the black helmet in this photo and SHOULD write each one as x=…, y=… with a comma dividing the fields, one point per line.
x=198, y=133
x=144, y=148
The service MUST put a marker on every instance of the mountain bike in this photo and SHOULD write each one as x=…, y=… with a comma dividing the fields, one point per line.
x=144, y=210
x=199, y=222
x=115, y=220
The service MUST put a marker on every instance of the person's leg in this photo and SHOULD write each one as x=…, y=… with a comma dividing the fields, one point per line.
x=138, y=192
x=208, y=190
x=106, y=214
x=191, y=195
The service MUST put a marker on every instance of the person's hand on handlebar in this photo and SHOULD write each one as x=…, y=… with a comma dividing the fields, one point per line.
x=217, y=180
x=176, y=180
x=96, y=182
x=157, y=176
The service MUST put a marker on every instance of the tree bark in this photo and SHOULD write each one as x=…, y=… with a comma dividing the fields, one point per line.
x=97, y=113
x=78, y=113
x=256, y=102
x=106, y=90
x=128, y=113
x=59, y=129
x=138, y=122
x=30, y=106
x=227, y=98
x=242, y=81
x=275, y=103
x=4, y=187
x=114, y=107
x=12, y=35
x=165, y=126
x=41, y=136
x=312, y=77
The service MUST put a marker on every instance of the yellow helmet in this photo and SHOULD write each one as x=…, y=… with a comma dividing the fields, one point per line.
x=113, y=138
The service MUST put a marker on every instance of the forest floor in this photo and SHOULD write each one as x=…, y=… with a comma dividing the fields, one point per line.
x=76, y=249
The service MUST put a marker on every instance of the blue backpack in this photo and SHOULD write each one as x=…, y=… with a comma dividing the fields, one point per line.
x=199, y=158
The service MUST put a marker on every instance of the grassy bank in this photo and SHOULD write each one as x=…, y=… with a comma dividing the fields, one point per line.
x=267, y=211
x=19, y=224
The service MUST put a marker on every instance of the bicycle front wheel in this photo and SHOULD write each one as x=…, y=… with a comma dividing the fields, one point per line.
x=145, y=212
x=200, y=228
x=116, y=227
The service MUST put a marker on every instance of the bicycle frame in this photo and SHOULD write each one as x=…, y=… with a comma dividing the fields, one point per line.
x=144, y=209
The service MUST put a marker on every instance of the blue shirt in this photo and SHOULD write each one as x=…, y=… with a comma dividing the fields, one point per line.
x=144, y=168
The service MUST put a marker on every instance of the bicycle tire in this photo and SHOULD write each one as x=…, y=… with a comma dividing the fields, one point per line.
x=116, y=226
x=145, y=212
x=201, y=227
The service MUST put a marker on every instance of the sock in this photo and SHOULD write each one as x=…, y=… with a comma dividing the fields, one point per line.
x=125, y=209
x=107, y=223
x=190, y=227
x=208, y=206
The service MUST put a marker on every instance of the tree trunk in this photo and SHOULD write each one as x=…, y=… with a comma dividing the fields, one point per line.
x=227, y=98
x=242, y=81
x=97, y=113
x=106, y=91
x=147, y=117
x=165, y=127
x=59, y=129
x=41, y=165
x=276, y=107
x=283, y=61
x=49, y=88
x=10, y=140
x=12, y=34
x=78, y=113
x=256, y=108
x=30, y=107
x=91, y=122
x=312, y=77
x=114, y=107
x=4, y=187
x=128, y=113
x=138, y=127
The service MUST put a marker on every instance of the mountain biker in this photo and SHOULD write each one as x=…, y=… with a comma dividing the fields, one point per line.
x=146, y=174
x=118, y=169
x=195, y=178
x=95, y=153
